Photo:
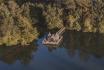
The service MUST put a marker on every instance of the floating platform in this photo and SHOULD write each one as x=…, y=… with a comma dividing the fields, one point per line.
x=54, y=43
x=54, y=39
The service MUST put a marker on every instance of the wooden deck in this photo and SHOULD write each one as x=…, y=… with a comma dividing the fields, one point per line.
x=54, y=39
x=52, y=42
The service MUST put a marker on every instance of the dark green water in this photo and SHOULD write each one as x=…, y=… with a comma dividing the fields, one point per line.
x=79, y=51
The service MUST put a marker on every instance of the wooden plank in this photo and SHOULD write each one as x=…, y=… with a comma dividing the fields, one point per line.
x=52, y=42
x=60, y=32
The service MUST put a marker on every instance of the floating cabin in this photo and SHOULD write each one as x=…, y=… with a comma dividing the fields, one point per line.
x=54, y=39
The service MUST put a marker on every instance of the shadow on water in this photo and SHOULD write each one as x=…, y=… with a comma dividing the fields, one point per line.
x=10, y=55
x=86, y=43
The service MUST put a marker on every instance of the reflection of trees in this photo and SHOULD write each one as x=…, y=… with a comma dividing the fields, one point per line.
x=91, y=44
x=11, y=54
x=70, y=42
x=86, y=43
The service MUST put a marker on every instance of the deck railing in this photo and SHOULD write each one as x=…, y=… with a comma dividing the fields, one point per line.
x=61, y=31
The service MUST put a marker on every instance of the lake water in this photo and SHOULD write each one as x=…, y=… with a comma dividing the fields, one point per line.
x=78, y=51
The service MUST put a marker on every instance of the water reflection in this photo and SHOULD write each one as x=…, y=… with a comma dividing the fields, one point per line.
x=10, y=55
x=78, y=51
x=86, y=43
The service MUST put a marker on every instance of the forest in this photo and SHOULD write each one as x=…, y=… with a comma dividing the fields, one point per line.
x=22, y=21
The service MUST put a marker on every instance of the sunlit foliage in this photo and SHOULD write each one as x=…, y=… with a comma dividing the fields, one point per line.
x=53, y=16
x=21, y=20
x=15, y=25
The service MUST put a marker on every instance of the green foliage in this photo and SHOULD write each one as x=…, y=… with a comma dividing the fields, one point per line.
x=53, y=16
x=16, y=26
x=72, y=23
x=88, y=15
x=101, y=26
x=20, y=20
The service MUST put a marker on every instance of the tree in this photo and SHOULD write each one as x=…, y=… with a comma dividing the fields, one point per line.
x=16, y=26
x=53, y=16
